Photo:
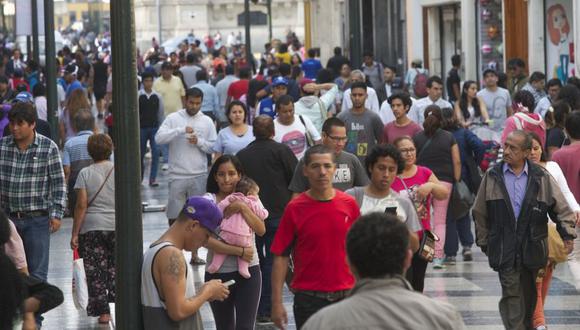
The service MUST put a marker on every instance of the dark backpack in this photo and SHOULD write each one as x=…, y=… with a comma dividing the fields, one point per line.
x=420, y=84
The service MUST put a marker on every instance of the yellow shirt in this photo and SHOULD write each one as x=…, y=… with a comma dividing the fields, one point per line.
x=284, y=57
x=171, y=92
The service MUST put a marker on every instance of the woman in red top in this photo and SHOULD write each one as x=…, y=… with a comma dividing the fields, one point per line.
x=420, y=185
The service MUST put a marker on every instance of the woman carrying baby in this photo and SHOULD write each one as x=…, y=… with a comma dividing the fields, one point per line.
x=240, y=309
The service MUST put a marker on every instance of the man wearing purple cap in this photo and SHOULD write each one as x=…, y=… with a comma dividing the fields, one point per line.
x=168, y=296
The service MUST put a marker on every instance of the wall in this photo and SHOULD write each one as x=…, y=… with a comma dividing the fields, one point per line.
x=213, y=16
x=327, y=29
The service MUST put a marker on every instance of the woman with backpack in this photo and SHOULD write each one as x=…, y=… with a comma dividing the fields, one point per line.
x=524, y=117
x=471, y=150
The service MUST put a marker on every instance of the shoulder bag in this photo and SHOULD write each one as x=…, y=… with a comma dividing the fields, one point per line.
x=427, y=245
x=309, y=139
x=101, y=187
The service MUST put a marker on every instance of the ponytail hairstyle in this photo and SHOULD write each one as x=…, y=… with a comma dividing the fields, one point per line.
x=556, y=114
x=433, y=120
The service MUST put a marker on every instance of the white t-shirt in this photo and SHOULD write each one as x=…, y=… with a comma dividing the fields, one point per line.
x=393, y=200
x=417, y=112
x=294, y=135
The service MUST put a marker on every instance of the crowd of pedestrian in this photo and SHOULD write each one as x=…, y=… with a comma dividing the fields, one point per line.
x=342, y=182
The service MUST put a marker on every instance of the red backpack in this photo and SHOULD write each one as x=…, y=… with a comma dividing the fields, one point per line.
x=420, y=84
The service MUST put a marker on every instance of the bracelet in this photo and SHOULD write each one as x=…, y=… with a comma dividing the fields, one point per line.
x=242, y=252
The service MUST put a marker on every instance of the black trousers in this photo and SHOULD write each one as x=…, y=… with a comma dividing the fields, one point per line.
x=305, y=306
x=416, y=273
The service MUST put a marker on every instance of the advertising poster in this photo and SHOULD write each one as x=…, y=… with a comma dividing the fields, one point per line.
x=559, y=39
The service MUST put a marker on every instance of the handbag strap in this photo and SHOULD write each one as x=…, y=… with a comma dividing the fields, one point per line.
x=427, y=144
x=412, y=202
x=101, y=187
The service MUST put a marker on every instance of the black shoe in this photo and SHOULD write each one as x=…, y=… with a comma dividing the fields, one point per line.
x=153, y=184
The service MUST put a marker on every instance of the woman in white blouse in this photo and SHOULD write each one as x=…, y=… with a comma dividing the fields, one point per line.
x=537, y=155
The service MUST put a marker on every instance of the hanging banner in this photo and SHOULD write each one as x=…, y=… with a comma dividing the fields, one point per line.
x=559, y=39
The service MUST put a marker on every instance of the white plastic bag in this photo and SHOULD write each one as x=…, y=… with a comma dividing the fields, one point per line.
x=80, y=290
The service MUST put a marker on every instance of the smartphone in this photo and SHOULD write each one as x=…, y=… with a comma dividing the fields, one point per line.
x=230, y=282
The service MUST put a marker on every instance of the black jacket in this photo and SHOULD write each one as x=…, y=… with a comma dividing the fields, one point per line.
x=271, y=165
x=510, y=243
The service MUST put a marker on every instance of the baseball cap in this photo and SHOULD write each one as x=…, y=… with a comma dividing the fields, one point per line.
x=23, y=97
x=279, y=81
x=203, y=210
x=72, y=69
x=304, y=82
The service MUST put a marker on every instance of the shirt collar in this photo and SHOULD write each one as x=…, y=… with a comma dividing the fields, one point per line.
x=507, y=168
x=85, y=132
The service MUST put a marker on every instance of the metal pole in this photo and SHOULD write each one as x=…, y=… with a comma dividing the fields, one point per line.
x=129, y=226
x=50, y=67
x=35, y=41
x=249, y=57
x=158, y=6
x=307, y=24
x=355, y=32
x=269, y=10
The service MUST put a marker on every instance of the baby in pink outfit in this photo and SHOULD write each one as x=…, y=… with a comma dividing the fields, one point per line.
x=235, y=230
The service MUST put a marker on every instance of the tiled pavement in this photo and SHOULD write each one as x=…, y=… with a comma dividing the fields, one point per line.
x=472, y=287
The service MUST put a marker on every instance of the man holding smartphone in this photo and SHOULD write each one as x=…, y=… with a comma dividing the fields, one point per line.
x=168, y=296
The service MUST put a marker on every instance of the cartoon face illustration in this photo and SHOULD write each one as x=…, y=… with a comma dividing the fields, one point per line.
x=558, y=25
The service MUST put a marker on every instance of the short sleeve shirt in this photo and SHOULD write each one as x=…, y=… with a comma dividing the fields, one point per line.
x=228, y=143
x=294, y=135
x=496, y=103
x=100, y=215
x=409, y=189
x=437, y=156
x=171, y=91
x=316, y=231
x=364, y=131
x=349, y=173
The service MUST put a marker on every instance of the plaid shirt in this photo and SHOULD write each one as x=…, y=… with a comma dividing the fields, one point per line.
x=32, y=180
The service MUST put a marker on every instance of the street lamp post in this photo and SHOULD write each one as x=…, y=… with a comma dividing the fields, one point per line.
x=249, y=57
x=129, y=227
x=50, y=65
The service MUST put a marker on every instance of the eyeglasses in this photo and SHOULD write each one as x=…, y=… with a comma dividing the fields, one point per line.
x=407, y=151
x=338, y=138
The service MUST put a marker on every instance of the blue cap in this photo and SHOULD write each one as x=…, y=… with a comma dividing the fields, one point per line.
x=203, y=210
x=23, y=97
x=279, y=81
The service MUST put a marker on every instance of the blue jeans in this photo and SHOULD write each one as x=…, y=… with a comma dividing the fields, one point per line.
x=165, y=152
x=35, y=235
x=460, y=228
x=148, y=134
x=263, y=245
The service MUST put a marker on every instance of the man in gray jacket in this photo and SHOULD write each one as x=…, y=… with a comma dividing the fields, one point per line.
x=381, y=295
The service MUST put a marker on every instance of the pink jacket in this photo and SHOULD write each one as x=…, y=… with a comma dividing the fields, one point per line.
x=236, y=223
x=529, y=122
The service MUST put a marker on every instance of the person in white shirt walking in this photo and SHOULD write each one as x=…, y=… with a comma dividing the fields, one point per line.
x=372, y=101
x=295, y=131
x=435, y=91
x=190, y=135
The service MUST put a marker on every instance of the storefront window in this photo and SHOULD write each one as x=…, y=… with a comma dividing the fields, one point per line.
x=490, y=41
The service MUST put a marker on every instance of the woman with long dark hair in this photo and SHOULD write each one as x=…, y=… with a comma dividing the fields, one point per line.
x=471, y=150
x=438, y=151
x=470, y=107
x=555, y=120
x=239, y=310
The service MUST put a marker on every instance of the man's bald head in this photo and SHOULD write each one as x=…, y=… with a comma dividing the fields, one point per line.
x=263, y=127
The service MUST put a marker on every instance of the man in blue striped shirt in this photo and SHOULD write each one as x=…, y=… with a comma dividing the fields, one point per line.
x=76, y=155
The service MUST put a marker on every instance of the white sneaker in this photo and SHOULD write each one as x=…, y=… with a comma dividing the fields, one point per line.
x=165, y=167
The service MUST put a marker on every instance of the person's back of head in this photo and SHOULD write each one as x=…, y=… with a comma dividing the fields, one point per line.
x=456, y=60
x=284, y=69
x=337, y=51
x=201, y=75
x=190, y=58
x=570, y=94
x=229, y=70
x=573, y=125
x=263, y=127
x=377, y=246
x=450, y=121
x=324, y=76
x=39, y=90
x=83, y=120
x=244, y=73
x=312, y=53
x=433, y=120
x=525, y=99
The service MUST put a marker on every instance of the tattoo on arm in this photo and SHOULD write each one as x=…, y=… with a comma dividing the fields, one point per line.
x=175, y=266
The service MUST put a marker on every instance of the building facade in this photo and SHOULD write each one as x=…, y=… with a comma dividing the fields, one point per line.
x=202, y=17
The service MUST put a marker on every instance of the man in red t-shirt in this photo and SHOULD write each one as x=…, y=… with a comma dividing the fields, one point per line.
x=239, y=88
x=314, y=228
